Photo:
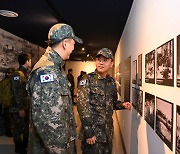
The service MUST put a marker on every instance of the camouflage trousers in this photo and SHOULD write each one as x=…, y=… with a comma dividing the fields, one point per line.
x=97, y=148
x=21, y=127
x=36, y=146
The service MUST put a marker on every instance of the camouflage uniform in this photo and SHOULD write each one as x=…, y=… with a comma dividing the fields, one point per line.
x=52, y=124
x=20, y=101
x=97, y=98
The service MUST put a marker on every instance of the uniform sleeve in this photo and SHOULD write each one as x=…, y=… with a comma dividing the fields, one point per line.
x=117, y=105
x=47, y=114
x=17, y=89
x=83, y=98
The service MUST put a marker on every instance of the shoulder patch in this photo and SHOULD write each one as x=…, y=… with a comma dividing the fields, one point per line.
x=46, y=78
x=16, y=78
x=82, y=82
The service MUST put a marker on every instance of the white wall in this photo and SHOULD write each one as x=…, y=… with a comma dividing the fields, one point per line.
x=151, y=23
x=77, y=67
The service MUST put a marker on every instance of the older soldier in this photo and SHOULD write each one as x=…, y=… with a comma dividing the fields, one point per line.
x=52, y=121
x=97, y=97
x=20, y=103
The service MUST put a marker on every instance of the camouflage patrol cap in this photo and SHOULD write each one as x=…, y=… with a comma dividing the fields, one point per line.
x=59, y=32
x=107, y=53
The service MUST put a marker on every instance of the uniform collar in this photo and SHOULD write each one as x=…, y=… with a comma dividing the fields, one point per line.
x=23, y=69
x=101, y=77
x=55, y=58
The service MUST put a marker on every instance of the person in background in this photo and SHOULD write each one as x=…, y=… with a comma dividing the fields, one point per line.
x=20, y=103
x=80, y=77
x=52, y=123
x=71, y=80
x=7, y=100
x=97, y=98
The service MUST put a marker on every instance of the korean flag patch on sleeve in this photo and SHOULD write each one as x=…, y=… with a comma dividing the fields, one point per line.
x=16, y=78
x=82, y=82
x=46, y=78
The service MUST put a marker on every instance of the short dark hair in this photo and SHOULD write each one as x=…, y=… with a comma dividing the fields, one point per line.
x=69, y=70
x=22, y=58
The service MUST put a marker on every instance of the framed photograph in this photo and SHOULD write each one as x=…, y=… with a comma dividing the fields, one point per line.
x=178, y=129
x=140, y=70
x=134, y=98
x=165, y=64
x=127, y=77
x=119, y=73
x=178, y=61
x=137, y=100
x=134, y=72
x=150, y=67
x=164, y=121
x=149, y=109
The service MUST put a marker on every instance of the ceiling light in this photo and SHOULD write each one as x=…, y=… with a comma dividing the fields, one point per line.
x=83, y=49
x=7, y=13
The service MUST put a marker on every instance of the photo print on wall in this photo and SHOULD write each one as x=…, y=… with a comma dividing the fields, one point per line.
x=164, y=121
x=178, y=129
x=149, y=109
x=178, y=61
x=120, y=73
x=119, y=87
x=165, y=64
x=127, y=79
x=137, y=100
x=150, y=67
x=140, y=70
x=134, y=72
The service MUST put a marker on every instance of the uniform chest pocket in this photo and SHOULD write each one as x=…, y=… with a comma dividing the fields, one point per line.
x=97, y=95
x=64, y=91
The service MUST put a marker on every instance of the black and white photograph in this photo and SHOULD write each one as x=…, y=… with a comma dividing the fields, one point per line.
x=137, y=100
x=178, y=61
x=149, y=109
x=140, y=70
x=120, y=73
x=164, y=121
x=11, y=46
x=134, y=72
x=134, y=97
x=178, y=130
x=165, y=64
x=127, y=79
x=150, y=67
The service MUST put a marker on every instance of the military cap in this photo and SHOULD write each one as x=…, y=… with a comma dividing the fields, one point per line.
x=59, y=32
x=107, y=53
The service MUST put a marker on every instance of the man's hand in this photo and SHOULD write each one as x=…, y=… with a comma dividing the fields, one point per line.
x=91, y=140
x=21, y=113
x=127, y=105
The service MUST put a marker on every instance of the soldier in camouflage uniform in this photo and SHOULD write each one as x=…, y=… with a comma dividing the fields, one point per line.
x=97, y=98
x=52, y=124
x=20, y=104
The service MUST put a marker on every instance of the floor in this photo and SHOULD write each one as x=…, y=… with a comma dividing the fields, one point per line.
x=7, y=145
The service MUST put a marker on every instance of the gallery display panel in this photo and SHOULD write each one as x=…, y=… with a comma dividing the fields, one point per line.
x=164, y=121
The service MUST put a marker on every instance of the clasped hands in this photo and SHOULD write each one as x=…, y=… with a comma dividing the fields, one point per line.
x=91, y=140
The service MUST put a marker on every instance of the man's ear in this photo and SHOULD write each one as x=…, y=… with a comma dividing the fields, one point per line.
x=64, y=42
x=112, y=63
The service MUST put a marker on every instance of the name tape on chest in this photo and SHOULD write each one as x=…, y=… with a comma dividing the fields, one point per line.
x=46, y=78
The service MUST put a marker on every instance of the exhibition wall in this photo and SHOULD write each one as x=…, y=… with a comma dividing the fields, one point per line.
x=147, y=72
x=11, y=46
